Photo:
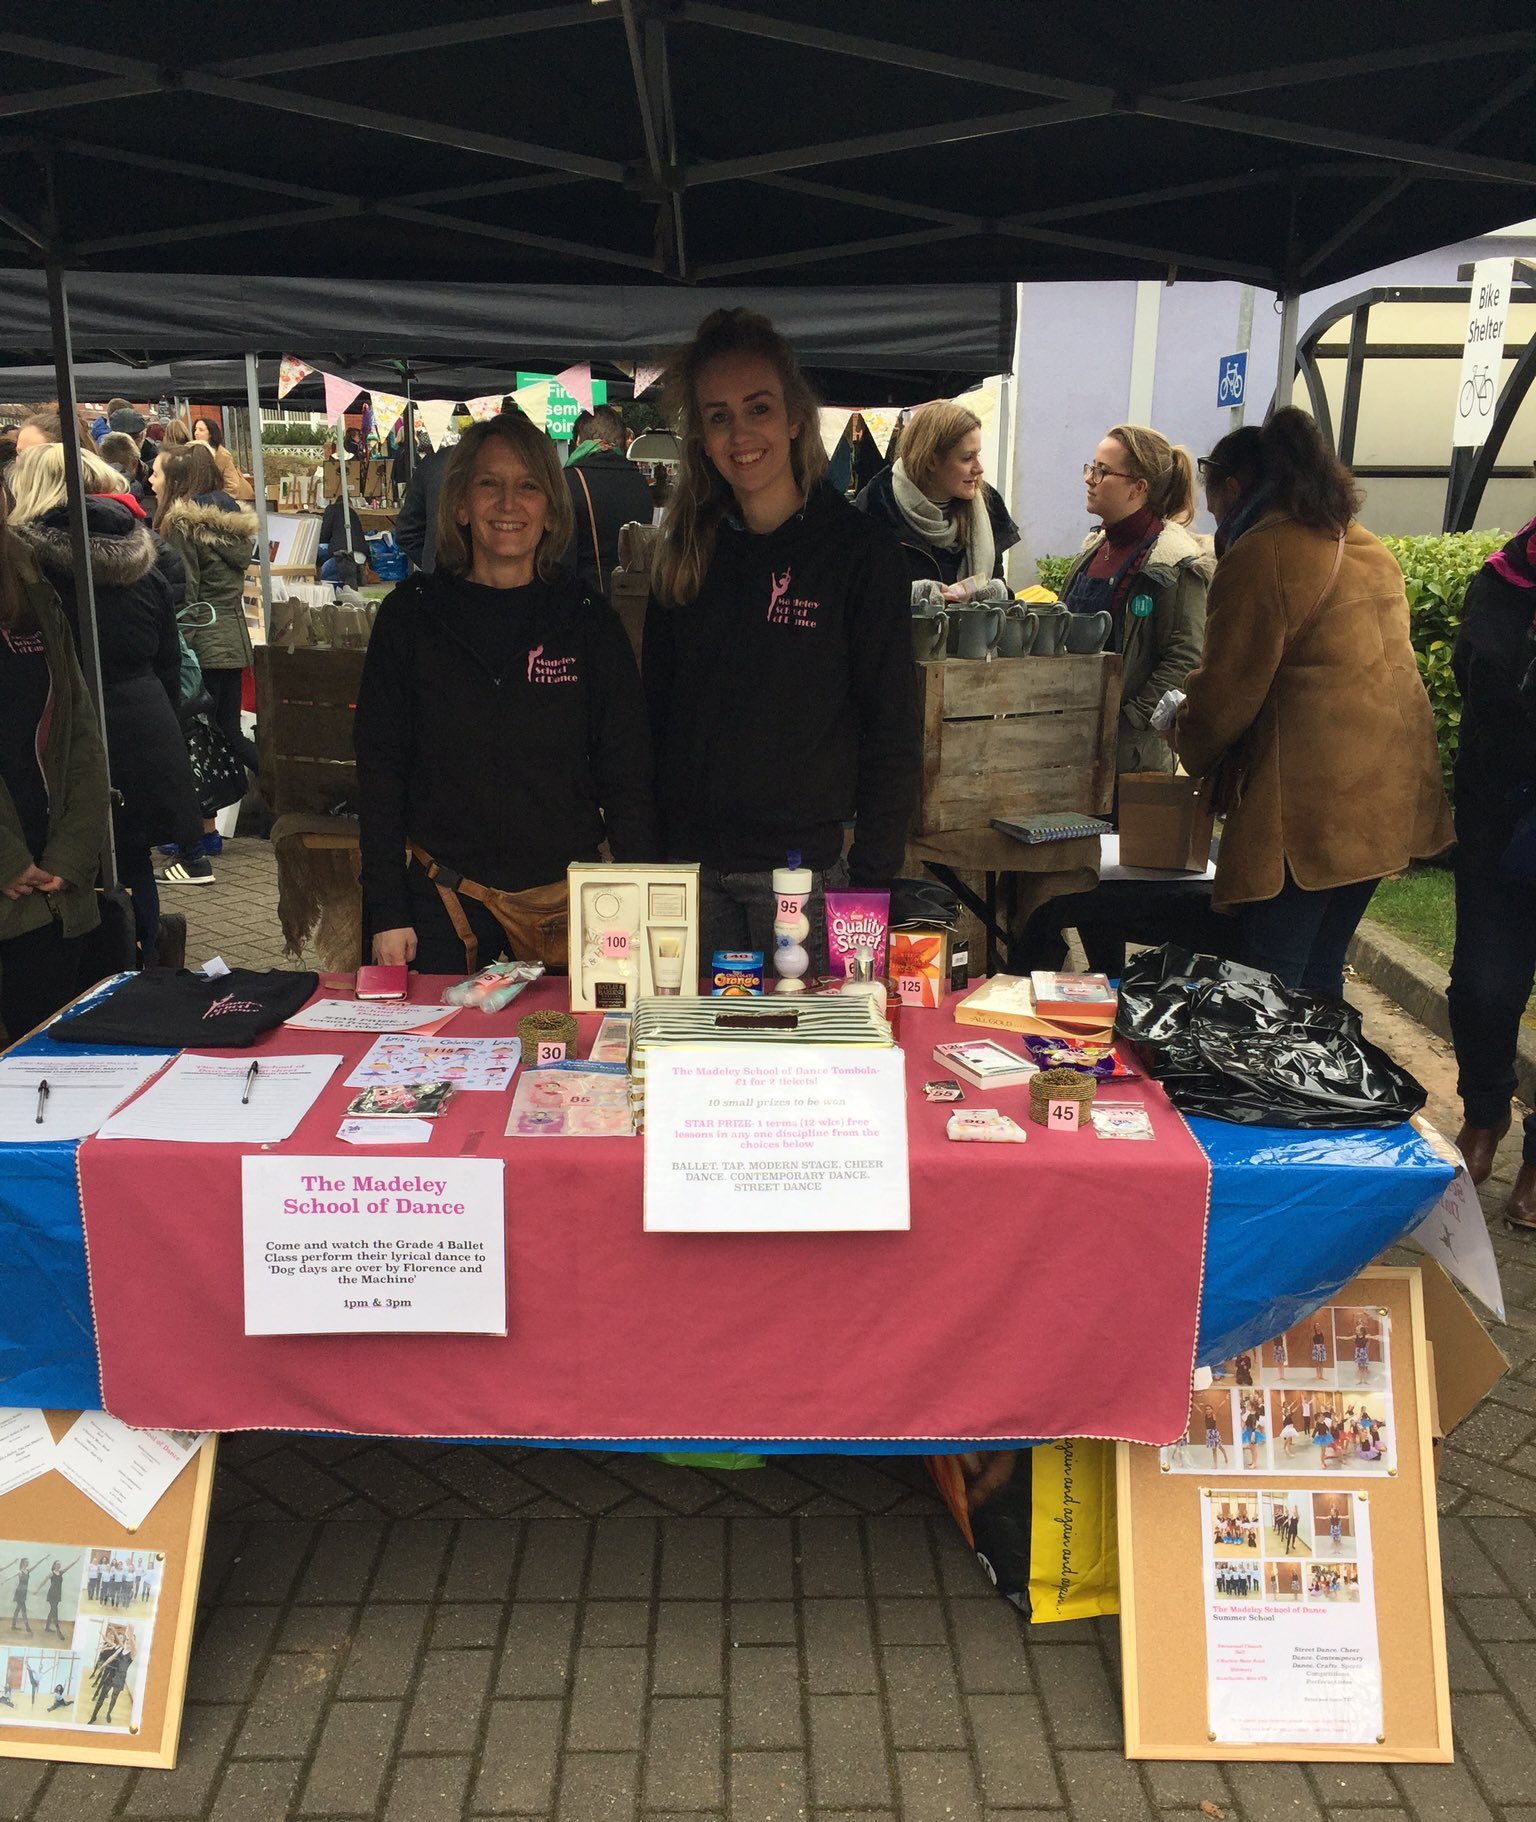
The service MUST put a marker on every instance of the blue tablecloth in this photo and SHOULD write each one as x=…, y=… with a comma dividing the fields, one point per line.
x=1294, y=1215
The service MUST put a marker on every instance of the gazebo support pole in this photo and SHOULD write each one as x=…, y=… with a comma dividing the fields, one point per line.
x=259, y=482
x=1285, y=371
x=74, y=486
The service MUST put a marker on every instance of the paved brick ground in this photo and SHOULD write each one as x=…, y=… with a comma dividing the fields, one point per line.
x=423, y=1633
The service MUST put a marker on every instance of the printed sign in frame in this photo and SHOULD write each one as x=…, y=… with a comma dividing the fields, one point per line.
x=95, y=1639
x=1165, y=1569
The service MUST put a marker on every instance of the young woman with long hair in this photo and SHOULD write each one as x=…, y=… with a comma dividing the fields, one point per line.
x=500, y=728
x=206, y=432
x=215, y=537
x=952, y=525
x=53, y=796
x=1307, y=710
x=777, y=655
x=1146, y=569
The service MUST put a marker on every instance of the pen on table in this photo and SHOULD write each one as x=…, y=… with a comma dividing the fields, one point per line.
x=42, y=1100
x=250, y=1083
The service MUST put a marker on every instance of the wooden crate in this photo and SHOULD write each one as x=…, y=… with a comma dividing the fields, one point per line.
x=1016, y=736
x=304, y=705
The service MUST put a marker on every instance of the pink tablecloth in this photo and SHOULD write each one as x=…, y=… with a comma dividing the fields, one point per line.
x=1048, y=1289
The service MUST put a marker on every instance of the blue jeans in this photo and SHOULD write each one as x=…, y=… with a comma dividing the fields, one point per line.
x=736, y=912
x=1303, y=937
x=1492, y=968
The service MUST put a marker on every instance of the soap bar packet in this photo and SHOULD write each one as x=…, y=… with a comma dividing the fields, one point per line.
x=394, y=1100
x=985, y=1125
x=1121, y=1120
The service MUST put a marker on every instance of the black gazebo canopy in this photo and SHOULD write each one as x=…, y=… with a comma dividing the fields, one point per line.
x=876, y=142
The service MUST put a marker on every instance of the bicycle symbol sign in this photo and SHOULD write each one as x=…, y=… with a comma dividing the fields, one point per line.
x=1476, y=389
x=1232, y=379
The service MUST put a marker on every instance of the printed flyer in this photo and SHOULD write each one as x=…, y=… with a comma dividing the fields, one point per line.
x=1314, y=1400
x=1292, y=1656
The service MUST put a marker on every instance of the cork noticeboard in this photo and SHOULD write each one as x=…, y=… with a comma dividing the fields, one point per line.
x=1162, y=1592
x=138, y=1588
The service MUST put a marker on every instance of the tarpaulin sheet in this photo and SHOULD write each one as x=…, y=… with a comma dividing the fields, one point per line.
x=1294, y=1215
x=47, y=1342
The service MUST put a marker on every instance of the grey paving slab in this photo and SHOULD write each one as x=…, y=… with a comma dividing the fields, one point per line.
x=768, y=1787
x=683, y=1753
x=687, y=1656
x=429, y=1789
x=766, y=1697
x=520, y=1759
x=346, y=1777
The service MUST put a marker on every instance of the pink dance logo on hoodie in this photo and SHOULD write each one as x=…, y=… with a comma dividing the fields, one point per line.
x=785, y=609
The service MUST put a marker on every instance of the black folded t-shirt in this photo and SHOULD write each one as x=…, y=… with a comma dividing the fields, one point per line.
x=175, y=1010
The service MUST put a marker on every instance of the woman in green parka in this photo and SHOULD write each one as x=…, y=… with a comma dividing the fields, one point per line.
x=215, y=537
x=53, y=797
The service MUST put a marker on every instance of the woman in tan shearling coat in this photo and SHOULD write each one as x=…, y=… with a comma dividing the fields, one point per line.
x=1307, y=710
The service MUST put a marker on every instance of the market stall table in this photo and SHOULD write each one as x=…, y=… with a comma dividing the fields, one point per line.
x=1292, y=1217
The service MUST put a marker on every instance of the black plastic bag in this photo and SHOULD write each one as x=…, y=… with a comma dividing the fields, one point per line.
x=1233, y=1044
x=217, y=769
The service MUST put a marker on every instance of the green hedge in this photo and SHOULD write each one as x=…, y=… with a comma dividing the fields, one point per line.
x=1436, y=571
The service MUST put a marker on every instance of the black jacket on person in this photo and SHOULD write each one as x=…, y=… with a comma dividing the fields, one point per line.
x=926, y=561
x=607, y=491
x=784, y=698
x=333, y=536
x=1496, y=747
x=140, y=663
x=416, y=521
x=503, y=731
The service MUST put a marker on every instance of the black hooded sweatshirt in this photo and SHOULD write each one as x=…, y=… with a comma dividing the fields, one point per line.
x=784, y=698
x=503, y=731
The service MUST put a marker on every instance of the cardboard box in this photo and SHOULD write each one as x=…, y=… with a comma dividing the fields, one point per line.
x=919, y=965
x=1163, y=823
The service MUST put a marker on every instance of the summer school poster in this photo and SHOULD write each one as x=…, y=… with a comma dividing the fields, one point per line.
x=1292, y=1655
x=75, y=1634
x=1316, y=1399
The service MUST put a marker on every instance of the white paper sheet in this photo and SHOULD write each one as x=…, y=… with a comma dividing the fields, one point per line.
x=1455, y=1231
x=402, y=1131
x=126, y=1472
x=370, y=1015
x=26, y=1447
x=471, y=1064
x=197, y=1100
x=82, y=1091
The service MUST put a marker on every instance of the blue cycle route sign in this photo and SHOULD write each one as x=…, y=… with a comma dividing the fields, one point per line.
x=1232, y=381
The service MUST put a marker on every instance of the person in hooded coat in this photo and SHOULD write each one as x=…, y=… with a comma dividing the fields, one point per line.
x=215, y=538
x=155, y=799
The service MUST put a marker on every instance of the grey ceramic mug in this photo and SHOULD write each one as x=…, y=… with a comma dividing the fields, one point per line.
x=930, y=633
x=974, y=631
x=1019, y=626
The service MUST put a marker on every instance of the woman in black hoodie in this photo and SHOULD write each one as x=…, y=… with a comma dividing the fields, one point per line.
x=155, y=799
x=500, y=730
x=778, y=656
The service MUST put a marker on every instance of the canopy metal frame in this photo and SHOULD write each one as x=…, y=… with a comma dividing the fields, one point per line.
x=1214, y=105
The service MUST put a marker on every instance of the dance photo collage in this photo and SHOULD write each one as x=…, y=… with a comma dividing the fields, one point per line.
x=75, y=1630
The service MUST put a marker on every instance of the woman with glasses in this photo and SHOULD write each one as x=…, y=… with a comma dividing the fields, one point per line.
x=1149, y=573
x=1307, y=710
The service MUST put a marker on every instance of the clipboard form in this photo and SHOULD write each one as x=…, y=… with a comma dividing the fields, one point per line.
x=212, y=1099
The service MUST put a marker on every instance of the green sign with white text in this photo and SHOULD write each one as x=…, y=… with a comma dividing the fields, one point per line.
x=563, y=409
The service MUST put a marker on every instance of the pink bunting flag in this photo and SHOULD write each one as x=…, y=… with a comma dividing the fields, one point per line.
x=577, y=381
x=339, y=393
x=289, y=372
x=646, y=377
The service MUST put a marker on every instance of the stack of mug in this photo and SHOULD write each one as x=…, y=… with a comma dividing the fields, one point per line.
x=996, y=626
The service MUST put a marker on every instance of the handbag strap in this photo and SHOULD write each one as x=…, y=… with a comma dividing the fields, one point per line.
x=597, y=555
x=1327, y=589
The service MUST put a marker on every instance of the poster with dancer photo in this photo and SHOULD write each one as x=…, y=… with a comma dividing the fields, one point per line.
x=1314, y=1400
x=39, y=1593
x=1292, y=1655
